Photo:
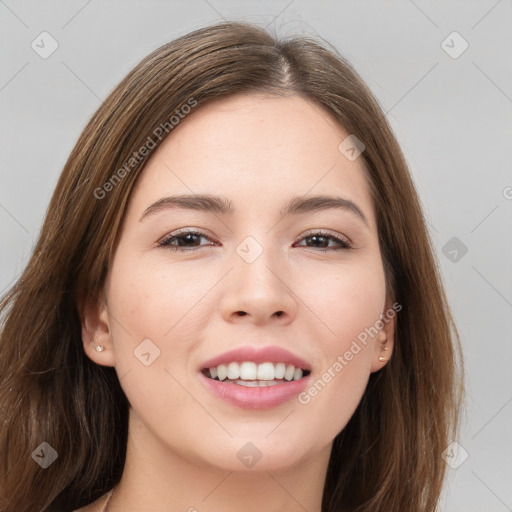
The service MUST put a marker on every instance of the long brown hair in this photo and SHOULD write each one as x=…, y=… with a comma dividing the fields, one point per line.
x=387, y=458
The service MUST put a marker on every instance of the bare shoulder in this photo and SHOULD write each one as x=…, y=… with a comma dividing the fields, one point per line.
x=95, y=506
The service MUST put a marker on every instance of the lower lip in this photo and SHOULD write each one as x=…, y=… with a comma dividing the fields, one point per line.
x=263, y=397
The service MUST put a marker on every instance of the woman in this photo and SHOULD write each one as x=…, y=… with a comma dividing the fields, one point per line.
x=233, y=303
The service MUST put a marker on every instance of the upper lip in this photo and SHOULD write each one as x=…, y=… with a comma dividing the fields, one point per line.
x=271, y=353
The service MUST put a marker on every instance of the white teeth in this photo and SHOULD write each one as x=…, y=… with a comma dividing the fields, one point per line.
x=279, y=370
x=266, y=371
x=290, y=372
x=222, y=371
x=233, y=371
x=248, y=370
x=256, y=383
x=253, y=374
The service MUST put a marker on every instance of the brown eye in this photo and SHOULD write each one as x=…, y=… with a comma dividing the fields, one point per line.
x=320, y=240
x=186, y=241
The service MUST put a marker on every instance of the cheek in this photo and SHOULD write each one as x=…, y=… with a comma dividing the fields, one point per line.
x=348, y=305
x=331, y=399
x=152, y=300
x=346, y=301
x=156, y=312
x=150, y=330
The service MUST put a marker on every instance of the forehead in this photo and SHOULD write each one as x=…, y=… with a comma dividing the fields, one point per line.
x=251, y=148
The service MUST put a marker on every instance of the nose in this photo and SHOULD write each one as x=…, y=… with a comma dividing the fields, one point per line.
x=259, y=292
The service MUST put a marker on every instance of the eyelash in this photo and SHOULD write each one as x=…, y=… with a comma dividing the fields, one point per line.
x=166, y=242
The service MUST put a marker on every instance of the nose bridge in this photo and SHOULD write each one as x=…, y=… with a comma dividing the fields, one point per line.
x=257, y=285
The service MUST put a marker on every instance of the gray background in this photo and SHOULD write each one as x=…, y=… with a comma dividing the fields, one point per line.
x=452, y=117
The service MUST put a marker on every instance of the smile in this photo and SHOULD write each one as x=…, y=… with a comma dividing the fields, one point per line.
x=251, y=374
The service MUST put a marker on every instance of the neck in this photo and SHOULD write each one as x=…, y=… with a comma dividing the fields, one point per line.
x=156, y=477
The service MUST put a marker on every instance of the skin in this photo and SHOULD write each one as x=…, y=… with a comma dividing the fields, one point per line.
x=259, y=151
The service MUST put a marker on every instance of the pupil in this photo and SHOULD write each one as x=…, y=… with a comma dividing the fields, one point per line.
x=313, y=238
x=187, y=238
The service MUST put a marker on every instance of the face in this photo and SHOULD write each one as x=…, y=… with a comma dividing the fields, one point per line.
x=307, y=282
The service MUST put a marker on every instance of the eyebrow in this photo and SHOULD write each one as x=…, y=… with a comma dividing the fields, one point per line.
x=223, y=205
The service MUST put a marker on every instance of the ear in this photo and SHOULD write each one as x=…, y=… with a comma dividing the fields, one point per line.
x=384, y=340
x=96, y=332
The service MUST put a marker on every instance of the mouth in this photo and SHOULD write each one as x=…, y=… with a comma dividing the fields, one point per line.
x=252, y=377
x=252, y=374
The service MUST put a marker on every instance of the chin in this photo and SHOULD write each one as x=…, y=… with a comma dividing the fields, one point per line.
x=256, y=455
